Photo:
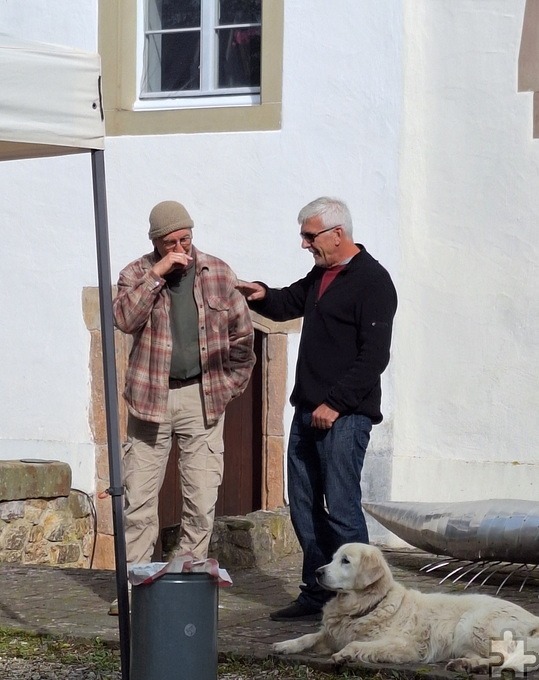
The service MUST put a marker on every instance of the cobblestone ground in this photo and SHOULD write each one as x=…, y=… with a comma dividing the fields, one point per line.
x=74, y=602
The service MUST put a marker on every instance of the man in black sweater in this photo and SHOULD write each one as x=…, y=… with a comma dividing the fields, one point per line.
x=347, y=302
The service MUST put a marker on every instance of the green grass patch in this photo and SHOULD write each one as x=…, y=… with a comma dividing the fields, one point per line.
x=104, y=659
x=95, y=653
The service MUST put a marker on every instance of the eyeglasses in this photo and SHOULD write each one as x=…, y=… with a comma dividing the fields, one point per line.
x=310, y=237
x=183, y=241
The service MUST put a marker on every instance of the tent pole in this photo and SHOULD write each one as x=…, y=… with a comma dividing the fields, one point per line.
x=111, y=402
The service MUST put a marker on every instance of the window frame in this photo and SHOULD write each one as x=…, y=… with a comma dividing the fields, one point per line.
x=127, y=114
x=209, y=60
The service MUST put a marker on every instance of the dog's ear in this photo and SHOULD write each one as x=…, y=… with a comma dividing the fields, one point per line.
x=372, y=568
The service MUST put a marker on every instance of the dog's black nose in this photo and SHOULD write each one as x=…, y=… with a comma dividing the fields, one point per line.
x=320, y=571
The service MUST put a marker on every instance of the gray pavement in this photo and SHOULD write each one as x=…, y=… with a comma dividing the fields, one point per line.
x=74, y=602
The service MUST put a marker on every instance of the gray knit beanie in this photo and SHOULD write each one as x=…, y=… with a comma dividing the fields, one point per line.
x=168, y=216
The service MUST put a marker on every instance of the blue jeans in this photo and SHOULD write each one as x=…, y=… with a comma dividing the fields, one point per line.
x=324, y=477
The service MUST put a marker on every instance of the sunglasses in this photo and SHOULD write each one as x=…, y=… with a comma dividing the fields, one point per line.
x=310, y=237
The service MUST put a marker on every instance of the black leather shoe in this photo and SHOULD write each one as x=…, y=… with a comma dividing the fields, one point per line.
x=296, y=612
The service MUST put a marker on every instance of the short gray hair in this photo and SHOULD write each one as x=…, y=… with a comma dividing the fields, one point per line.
x=332, y=211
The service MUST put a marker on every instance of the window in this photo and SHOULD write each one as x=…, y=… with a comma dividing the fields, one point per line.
x=194, y=48
x=191, y=65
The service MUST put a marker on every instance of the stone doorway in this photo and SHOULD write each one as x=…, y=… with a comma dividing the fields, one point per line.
x=273, y=365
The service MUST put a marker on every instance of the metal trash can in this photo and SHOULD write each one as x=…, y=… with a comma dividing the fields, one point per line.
x=174, y=628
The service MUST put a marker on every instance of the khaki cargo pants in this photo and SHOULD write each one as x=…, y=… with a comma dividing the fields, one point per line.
x=201, y=471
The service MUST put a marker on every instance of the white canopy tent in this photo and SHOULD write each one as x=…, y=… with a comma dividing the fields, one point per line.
x=51, y=105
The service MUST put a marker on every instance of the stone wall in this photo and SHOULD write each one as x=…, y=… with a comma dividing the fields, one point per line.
x=42, y=520
x=257, y=539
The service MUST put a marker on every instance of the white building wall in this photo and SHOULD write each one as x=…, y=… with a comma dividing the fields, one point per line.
x=410, y=112
x=61, y=22
x=466, y=352
x=341, y=117
x=48, y=255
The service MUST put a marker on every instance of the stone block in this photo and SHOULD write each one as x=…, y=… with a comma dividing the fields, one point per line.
x=240, y=538
x=98, y=421
x=33, y=512
x=79, y=505
x=11, y=556
x=88, y=547
x=104, y=552
x=98, y=410
x=11, y=510
x=274, y=492
x=90, y=308
x=277, y=373
x=237, y=523
x=269, y=327
x=102, y=463
x=36, y=534
x=122, y=343
x=14, y=537
x=83, y=527
x=68, y=553
x=60, y=504
x=55, y=528
x=38, y=503
x=258, y=539
x=103, y=504
x=37, y=553
x=20, y=480
x=269, y=538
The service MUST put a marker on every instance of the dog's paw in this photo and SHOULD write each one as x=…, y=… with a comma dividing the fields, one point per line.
x=339, y=658
x=353, y=651
x=464, y=665
x=459, y=666
x=285, y=647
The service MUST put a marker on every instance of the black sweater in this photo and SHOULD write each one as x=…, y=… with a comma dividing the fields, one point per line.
x=346, y=335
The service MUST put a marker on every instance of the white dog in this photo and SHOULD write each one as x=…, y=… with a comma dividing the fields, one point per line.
x=374, y=619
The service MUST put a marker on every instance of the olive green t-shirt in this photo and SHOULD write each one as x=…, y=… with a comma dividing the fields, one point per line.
x=185, y=362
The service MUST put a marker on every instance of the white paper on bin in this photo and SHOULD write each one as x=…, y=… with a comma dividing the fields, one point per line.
x=148, y=572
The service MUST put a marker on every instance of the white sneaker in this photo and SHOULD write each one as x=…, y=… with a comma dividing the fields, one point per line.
x=113, y=609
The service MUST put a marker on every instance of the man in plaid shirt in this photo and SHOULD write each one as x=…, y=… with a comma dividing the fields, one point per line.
x=192, y=353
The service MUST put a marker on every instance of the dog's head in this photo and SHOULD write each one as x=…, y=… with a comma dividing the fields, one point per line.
x=354, y=567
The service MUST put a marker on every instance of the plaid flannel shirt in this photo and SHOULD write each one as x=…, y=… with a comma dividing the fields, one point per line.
x=142, y=309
